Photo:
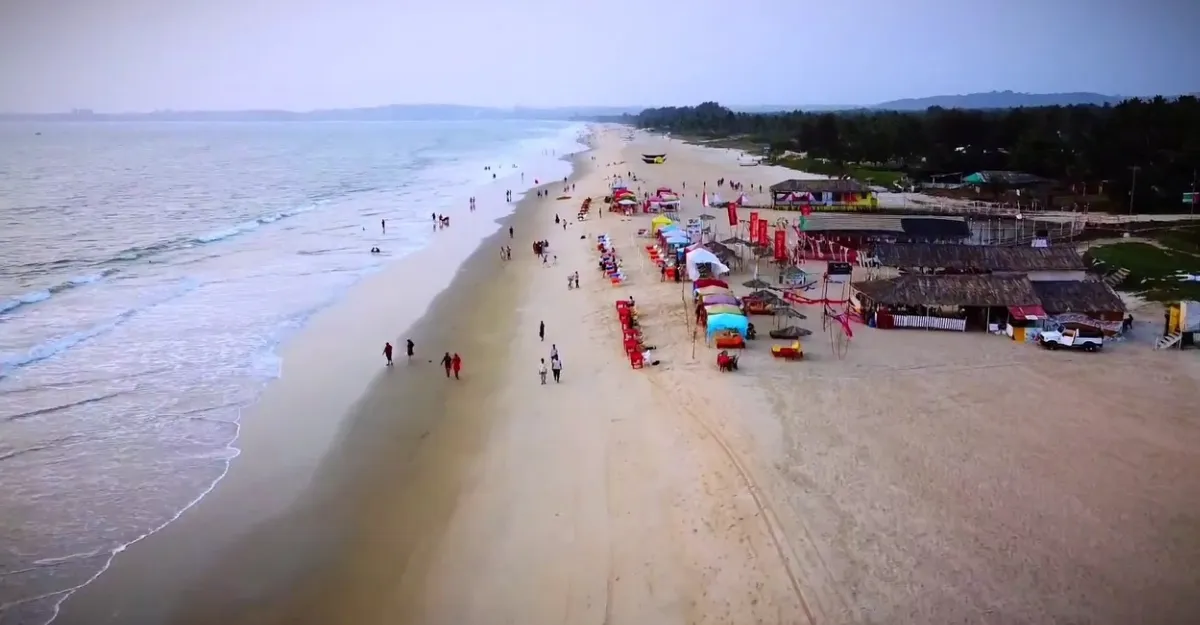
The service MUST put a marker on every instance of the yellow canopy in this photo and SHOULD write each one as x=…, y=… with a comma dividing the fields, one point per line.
x=659, y=222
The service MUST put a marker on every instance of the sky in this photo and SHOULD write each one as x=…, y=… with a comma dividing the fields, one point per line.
x=142, y=55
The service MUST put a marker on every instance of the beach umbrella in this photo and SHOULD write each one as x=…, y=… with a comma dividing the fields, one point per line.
x=706, y=217
x=757, y=284
x=784, y=310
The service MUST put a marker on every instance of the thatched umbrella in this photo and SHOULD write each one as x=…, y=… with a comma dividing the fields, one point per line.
x=757, y=284
x=733, y=240
x=784, y=310
x=706, y=217
x=790, y=332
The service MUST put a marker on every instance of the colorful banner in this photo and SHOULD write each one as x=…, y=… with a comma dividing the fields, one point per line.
x=731, y=209
x=753, y=226
x=763, y=238
x=780, y=244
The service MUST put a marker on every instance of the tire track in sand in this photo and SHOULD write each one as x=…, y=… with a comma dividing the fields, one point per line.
x=783, y=547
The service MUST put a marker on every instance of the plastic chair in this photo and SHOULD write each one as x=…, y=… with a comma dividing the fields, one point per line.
x=636, y=361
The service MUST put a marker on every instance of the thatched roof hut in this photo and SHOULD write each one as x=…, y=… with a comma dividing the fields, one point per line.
x=968, y=290
x=978, y=258
x=1092, y=298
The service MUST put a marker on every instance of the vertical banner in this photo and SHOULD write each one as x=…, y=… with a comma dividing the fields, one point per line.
x=753, y=235
x=763, y=239
x=731, y=209
x=704, y=194
x=780, y=244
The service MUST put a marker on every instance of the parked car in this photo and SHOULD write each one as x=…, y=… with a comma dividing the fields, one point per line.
x=1072, y=338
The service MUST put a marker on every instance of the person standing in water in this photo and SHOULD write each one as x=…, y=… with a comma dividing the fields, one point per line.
x=387, y=353
x=383, y=225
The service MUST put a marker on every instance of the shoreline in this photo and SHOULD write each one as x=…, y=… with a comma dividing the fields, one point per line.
x=287, y=466
x=914, y=479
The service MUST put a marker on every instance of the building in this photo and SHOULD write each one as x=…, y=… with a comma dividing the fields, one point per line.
x=1039, y=264
x=793, y=194
x=961, y=287
x=857, y=229
x=945, y=302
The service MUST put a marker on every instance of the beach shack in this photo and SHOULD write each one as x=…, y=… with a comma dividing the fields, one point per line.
x=945, y=302
x=1090, y=303
x=794, y=194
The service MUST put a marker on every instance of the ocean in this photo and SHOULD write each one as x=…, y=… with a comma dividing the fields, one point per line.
x=148, y=273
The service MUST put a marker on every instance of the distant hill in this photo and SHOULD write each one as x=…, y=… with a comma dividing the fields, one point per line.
x=999, y=100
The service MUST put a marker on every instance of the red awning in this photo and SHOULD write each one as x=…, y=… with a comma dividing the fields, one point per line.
x=1027, y=312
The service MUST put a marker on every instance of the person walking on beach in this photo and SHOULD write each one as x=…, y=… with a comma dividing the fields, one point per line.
x=410, y=346
x=542, y=371
x=456, y=364
x=556, y=368
x=553, y=351
x=387, y=353
x=447, y=362
x=542, y=331
x=383, y=225
x=510, y=232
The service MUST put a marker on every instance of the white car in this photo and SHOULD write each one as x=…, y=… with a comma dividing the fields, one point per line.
x=1059, y=337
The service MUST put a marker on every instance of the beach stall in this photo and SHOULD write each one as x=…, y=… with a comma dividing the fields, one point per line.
x=726, y=330
x=706, y=282
x=701, y=257
x=659, y=223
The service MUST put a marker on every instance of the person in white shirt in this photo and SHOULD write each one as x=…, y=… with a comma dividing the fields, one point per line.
x=542, y=371
x=556, y=368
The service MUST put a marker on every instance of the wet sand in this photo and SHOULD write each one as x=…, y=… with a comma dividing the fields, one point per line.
x=923, y=478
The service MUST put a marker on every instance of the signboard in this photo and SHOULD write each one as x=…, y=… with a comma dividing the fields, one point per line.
x=695, y=229
x=839, y=272
x=1190, y=198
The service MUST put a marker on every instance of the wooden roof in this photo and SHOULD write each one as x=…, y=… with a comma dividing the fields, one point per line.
x=819, y=186
x=1081, y=297
x=900, y=225
x=969, y=290
x=979, y=257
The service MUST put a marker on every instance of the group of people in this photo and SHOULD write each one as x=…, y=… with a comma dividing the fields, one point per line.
x=556, y=366
x=452, y=363
x=442, y=221
x=505, y=252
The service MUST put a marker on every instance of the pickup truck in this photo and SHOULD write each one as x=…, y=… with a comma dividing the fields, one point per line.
x=1074, y=338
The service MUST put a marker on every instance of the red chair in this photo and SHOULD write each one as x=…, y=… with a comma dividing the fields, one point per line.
x=632, y=347
x=636, y=361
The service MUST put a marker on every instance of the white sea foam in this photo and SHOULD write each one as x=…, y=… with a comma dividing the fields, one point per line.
x=123, y=380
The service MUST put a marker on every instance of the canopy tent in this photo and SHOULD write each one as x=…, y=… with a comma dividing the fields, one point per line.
x=704, y=257
x=718, y=322
x=627, y=202
x=719, y=298
x=723, y=309
x=709, y=290
x=660, y=222
x=675, y=238
x=705, y=282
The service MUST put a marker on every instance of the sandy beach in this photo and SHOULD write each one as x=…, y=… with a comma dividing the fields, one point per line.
x=924, y=478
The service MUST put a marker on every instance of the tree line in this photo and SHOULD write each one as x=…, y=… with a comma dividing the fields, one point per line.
x=1145, y=149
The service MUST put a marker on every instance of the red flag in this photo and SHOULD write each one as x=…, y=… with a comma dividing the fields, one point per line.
x=731, y=210
x=753, y=226
x=763, y=239
x=780, y=244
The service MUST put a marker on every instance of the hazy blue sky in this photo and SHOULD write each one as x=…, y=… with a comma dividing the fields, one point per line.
x=125, y=55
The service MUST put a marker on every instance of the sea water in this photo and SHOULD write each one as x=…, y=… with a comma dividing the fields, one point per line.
x=147, y=274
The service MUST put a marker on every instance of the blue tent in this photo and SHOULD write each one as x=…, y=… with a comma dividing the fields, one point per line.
x=737, y=323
